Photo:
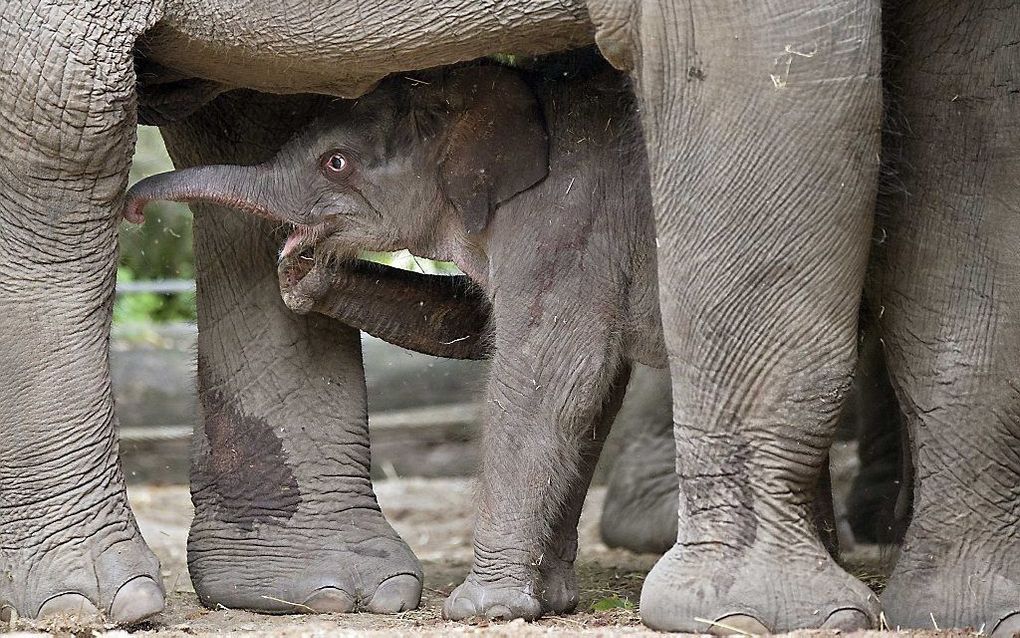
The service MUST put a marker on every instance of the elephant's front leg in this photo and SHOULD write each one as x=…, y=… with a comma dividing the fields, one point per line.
x=950, y=288
x=68, y=540
x=556, y=383
x=762, y=123
x=285, y=516
x=438, y=315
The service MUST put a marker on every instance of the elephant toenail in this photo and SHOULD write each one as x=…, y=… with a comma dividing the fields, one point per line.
x=6, y=613
x=1008, y=627
x=499, y=612
x=396, y=594
x=68, y=604
x=329, y=600
x=847, y=619
x=738, y=624
x=136, y=600
x=458, y=607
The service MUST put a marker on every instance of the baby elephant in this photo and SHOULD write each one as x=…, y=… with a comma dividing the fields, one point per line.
x=535, y=184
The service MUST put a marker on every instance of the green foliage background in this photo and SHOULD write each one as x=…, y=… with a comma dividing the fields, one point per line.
x=159, y=249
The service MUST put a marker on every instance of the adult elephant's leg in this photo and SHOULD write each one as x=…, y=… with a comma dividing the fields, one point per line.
x=878, y=502
x=762, y=122
x=640, y=511
x=640, y=508
x=68, y=540
x=951, y=292
x=285, y=516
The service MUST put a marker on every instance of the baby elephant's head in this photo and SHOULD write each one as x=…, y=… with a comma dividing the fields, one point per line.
x=379, y=172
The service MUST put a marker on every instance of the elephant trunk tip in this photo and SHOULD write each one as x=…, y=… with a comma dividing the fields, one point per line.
x=137, y=198
x=134, y=209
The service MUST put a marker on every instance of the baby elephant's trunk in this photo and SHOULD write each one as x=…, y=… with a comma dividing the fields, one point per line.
x=233, y=186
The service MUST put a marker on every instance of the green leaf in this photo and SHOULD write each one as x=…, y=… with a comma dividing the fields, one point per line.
x=404, y=260
x=610, y=603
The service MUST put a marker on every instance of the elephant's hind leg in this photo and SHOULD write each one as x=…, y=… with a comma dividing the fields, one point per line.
x=286, y=520
x=68, y=539
x=950, y=290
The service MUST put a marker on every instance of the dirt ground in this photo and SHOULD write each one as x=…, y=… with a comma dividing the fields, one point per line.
x=434, y=516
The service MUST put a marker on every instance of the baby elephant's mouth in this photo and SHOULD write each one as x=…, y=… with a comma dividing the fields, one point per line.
x=302, y=237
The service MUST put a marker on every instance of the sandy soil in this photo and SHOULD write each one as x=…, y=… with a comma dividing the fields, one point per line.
x=434, y=516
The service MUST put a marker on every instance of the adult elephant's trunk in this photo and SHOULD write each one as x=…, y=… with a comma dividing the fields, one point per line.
x=233, y=186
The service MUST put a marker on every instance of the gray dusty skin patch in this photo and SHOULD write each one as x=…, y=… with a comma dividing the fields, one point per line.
x=245, y=469
x=726, y=485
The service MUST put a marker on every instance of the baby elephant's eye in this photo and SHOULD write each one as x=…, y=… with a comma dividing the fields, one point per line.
x=335, y=164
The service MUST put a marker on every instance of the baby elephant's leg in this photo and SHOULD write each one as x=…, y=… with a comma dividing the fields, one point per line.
x=559, y=592
x=555, y=375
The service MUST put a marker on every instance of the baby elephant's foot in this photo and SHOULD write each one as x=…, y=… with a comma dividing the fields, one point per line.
x=499, y=600
x=302, y=282
x=558, y=592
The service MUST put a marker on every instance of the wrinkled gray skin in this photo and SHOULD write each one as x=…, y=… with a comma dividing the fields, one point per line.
x=467, y=165
x=951, y=213
x=640, y=504
x=761, y=123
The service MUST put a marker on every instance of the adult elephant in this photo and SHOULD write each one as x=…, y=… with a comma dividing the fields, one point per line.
x=762, y=126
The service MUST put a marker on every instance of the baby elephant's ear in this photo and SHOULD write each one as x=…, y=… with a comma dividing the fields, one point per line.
x=496, y=147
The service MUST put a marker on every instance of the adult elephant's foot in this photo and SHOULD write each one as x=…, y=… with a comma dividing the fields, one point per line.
x=306, y=565
x=952, y=585
x=640, y=510
x=286, y=520
x=100, y=569
x=762, y=590
x=960, y=561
